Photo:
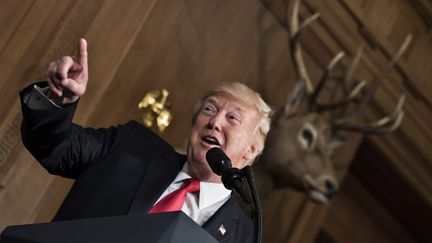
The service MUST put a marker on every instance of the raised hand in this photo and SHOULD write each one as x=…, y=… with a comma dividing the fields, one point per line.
x=67, y=77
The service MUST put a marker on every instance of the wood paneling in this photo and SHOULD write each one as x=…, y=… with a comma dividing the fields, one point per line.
x=377, y=201
x=393, y=192
x=187, y=46
x=357, y=217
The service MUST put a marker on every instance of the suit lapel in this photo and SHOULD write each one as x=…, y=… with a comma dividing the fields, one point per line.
x=224, y=222
x=162, y=170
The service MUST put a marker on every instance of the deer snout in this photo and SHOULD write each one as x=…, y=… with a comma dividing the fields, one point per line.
x=323, y=188
x=331, y=188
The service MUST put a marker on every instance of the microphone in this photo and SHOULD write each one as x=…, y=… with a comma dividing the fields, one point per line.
x=231, y=177
x=218, y=160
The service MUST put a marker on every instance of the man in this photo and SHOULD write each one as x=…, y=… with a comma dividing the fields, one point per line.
x=129, y=169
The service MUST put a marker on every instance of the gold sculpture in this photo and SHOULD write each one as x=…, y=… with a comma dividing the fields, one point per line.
x=155, y=106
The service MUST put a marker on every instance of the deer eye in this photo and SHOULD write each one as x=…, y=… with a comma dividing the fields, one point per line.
x=307, y=137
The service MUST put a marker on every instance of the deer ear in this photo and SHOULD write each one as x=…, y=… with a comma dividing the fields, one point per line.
x=294, y=99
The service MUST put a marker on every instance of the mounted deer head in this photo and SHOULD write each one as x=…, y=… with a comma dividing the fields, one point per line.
x=299, y=146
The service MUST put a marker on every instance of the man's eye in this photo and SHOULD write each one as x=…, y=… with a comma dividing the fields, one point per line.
x=234, y=119
x=208, y=109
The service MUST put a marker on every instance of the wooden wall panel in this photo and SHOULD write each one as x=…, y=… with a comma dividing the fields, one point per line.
x=377, y=201
x=393, y=192
x=187, y=46
x=357, y=217
x=11, y=14
x=22, y=182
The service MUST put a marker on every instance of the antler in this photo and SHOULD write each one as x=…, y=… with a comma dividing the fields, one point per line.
x=383, y=75
x=384, y=125
x=354, y=94
x=297, y=56
x=313, y=98
x=305, y=84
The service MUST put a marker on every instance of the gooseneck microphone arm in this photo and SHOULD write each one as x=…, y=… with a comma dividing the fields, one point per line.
x=256, y=205
x=232, y=178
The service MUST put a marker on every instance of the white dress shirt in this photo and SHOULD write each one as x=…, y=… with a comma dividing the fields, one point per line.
x=37, y=99
x=199, y=206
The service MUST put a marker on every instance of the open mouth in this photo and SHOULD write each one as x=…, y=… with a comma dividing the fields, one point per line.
x=210, y=140
x=314, y=192
x=318, y=196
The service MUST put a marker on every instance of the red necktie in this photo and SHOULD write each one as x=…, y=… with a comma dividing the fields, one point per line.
x=175, y=200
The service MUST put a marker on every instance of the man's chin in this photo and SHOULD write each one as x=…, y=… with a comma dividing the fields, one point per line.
x=202, y=171
x=201, y=162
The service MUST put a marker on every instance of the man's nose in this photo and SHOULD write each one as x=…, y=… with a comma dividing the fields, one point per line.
x=215, y=122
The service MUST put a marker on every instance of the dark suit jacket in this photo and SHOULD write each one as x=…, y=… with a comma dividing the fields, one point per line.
x=118, y=170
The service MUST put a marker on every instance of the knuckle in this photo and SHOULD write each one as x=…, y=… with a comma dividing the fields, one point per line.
x=65, y=59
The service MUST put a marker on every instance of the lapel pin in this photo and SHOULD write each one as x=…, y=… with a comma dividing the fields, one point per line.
x=222, y=229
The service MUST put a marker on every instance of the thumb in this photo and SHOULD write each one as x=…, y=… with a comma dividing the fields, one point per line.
x=82, y=52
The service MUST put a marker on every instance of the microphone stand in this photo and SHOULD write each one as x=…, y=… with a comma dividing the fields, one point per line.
x=256, y=205
x=232, y=179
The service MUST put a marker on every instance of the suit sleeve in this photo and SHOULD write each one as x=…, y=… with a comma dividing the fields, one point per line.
x=64, y=148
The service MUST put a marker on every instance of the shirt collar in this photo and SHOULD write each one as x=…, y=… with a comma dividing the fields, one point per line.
x=210, y=192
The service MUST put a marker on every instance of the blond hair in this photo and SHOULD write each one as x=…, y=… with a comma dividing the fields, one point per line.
x=245, y=94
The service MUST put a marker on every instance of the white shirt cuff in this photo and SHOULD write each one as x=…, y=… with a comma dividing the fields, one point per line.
x=38, y=100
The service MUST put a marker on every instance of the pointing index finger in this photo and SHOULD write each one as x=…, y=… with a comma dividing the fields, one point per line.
x=82, y=52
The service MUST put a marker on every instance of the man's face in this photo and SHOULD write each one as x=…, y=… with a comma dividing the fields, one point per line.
x=226, y=122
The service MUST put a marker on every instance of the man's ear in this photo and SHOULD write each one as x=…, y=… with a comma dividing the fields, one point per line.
x=253, y=151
